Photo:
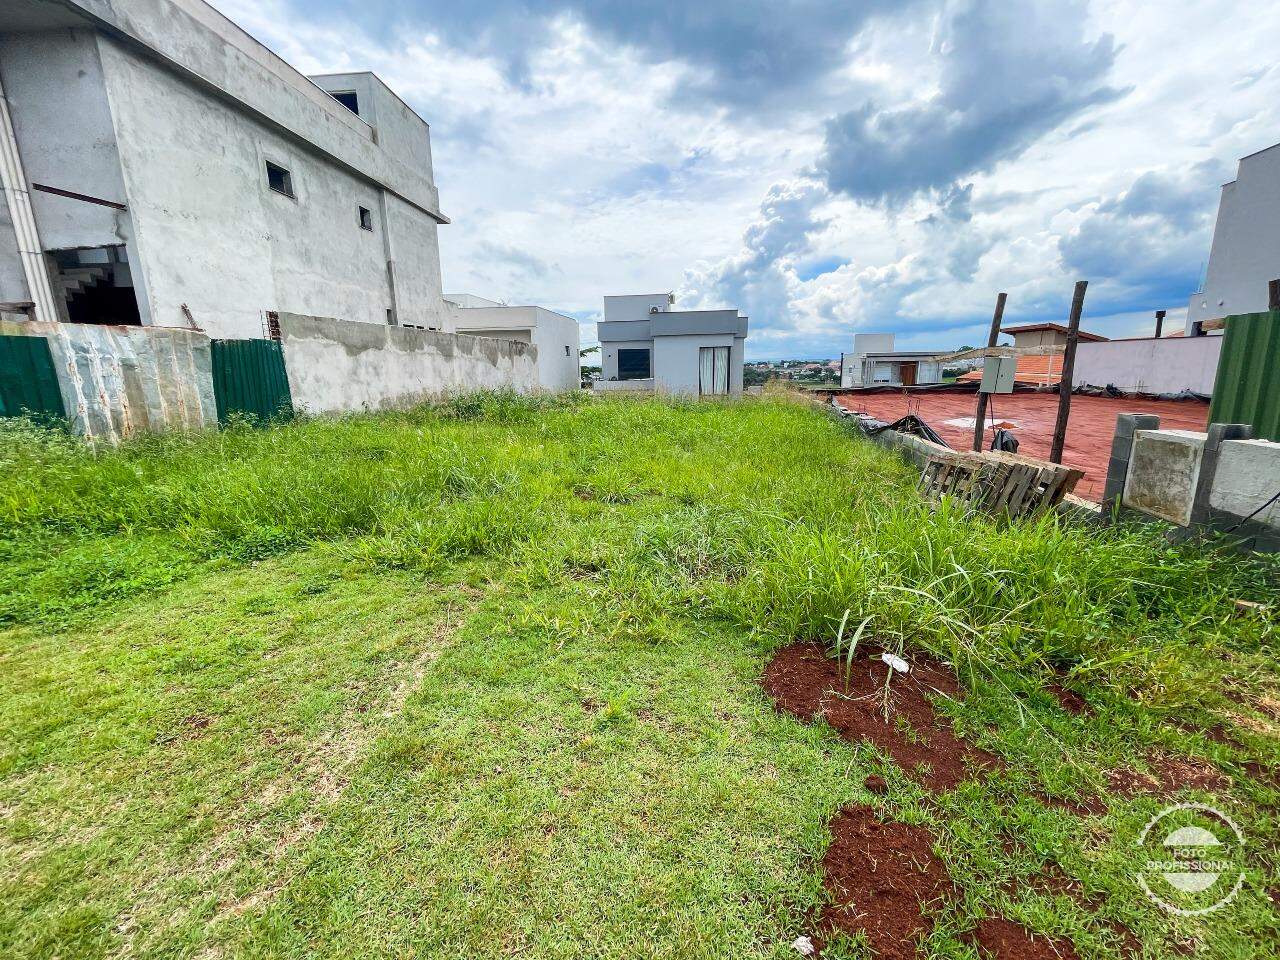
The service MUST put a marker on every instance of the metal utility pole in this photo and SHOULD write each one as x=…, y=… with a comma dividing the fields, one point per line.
x=1068, y=371
x=981, y=417
x=1159, y=323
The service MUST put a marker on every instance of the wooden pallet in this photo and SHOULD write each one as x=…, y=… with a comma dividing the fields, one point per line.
x=998, y=482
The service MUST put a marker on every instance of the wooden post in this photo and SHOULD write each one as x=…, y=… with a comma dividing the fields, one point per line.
x=1068, y=371
x=1273, y=295
x=1159, y=323
x=982, y=397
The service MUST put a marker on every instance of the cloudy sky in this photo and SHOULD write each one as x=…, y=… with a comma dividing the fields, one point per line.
x=826, y=166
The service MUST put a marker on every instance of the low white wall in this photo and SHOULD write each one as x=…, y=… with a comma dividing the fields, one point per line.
x=117, y=382
x=335, y=365
x=1168, y=365
x=555, y=335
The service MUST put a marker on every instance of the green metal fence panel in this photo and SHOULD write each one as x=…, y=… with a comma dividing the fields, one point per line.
x=28, y=381
x=249, y=379
x=1247, y=387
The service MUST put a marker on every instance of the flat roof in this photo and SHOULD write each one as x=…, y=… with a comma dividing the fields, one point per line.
x=1056, y=327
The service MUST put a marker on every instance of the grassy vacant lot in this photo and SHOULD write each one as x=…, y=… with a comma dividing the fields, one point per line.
x=482, y=681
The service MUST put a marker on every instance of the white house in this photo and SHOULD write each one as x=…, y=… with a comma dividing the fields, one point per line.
x=646, y=345
x=162, y=167
x=874, y=362
x=1245, y=254
x=556, y=336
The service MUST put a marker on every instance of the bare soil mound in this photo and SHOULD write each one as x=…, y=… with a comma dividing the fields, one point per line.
x=1003, y=939
x=873, y=702
x=882, y=879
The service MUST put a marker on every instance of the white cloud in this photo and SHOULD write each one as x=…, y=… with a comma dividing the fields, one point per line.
x=591, y=153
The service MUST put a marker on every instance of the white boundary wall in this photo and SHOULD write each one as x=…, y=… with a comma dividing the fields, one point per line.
x=335, y=365
x=1168, y=365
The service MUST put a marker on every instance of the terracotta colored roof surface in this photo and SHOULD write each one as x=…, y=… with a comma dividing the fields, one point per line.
x=1089, y=431
x=1056, y=327
x=1039, y=370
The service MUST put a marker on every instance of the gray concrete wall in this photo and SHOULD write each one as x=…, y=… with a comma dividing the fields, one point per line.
x=1247, y=476
x=175, y=113
x=637, y=306
x=212, y=235
x=1168, y=365
x=62, y=120
x=335, y=366
x=118, y=382
x=192, y=38
x=675, y=362
x=1246, y=236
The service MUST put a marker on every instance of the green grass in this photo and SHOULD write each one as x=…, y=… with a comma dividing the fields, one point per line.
x=481, y=680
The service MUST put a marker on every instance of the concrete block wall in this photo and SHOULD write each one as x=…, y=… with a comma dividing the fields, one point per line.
x=1221, y=480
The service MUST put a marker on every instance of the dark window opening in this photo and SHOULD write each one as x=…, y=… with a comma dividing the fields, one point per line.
x=567, y=351
x=279, y=179
x=96, y=285
x=633, y=364
x=349, y=100
x=366, y=218
x=391, y=317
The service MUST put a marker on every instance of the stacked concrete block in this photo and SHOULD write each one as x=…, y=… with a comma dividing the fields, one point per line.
x=1127, y=424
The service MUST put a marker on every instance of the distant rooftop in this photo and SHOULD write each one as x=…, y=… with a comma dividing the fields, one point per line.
x=1056, y=327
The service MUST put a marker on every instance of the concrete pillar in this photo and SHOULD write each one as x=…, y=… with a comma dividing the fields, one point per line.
x=1218, y=433
x=1121, y=448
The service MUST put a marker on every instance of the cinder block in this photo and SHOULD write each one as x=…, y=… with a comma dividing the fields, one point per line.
x=1164, y=470
x=1129, y=423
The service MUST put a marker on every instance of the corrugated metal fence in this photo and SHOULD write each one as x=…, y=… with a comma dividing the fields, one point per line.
x=28, y=380
x=249, y=379
x=1247, y=388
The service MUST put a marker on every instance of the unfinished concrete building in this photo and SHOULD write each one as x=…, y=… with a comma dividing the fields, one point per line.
x=161, y=167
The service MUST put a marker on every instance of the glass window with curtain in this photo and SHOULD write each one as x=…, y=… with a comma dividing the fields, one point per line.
x=713, y=370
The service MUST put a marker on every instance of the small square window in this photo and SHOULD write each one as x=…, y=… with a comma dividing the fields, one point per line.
x=366, y=218
x=279, y=179
x=349, y=100
x=567, y=352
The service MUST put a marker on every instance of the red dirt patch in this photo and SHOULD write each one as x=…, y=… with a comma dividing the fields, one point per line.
x=881, y=878
x=805, y=682
x=1168, y=775
x=1069, y=700
x=875, y=783
x=1005, y=940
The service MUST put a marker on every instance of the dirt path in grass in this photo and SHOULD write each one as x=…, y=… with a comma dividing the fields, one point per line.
x=323, y=768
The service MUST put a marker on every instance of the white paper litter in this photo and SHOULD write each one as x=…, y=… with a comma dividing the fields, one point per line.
x=804, y=946
x=896, y=662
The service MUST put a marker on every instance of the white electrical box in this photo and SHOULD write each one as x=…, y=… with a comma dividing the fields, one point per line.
x=998, y=374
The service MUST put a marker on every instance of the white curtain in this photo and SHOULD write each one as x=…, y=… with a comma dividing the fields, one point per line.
x=713, y=370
